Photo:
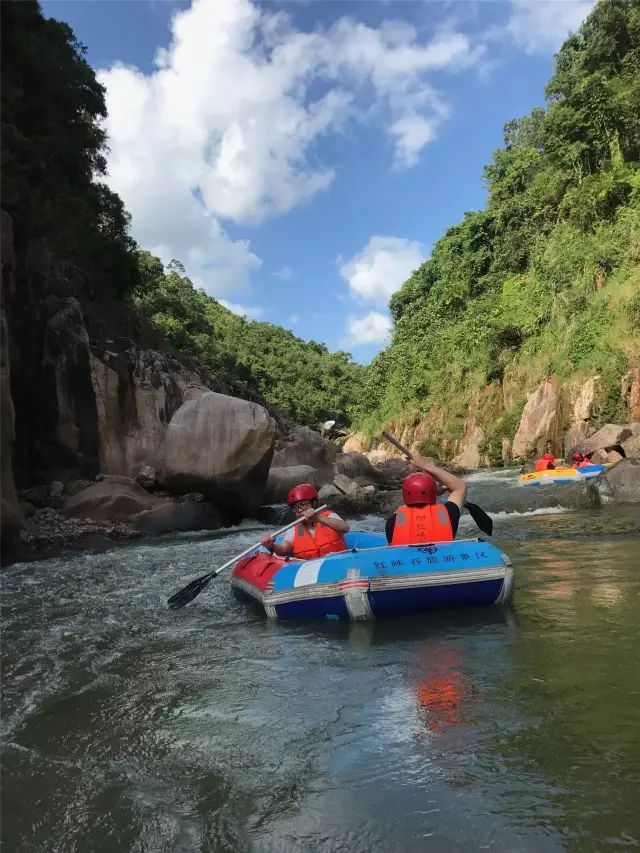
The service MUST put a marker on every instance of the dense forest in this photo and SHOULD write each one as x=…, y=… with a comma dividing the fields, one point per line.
x=302, y=379
x=53, y=164
x=546, y=279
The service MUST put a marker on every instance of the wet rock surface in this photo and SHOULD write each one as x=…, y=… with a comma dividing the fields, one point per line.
x=47, y=531
x=623, y=481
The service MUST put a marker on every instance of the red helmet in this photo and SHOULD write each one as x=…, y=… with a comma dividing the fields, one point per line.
x=419, y=489
x=304, y=492
x=577, y=457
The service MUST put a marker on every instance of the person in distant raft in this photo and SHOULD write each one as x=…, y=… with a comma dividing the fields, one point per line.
x=547, y=463
x=579, y=461
x=421, y=519
x=317, y=534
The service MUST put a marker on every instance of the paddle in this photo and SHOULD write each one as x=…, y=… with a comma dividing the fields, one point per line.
x=482, y=520
x=193, y=589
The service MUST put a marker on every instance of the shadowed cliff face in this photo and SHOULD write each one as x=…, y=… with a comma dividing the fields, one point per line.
x=79, y=397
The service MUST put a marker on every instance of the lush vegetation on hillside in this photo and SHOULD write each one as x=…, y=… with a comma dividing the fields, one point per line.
x=302, y=379
x=53, y=155
x=546, y=279
x=53, y=151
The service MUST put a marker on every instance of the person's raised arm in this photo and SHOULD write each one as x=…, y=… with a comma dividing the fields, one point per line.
x=455, y=485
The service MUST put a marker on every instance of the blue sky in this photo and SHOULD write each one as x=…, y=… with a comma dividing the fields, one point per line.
x=301, y=158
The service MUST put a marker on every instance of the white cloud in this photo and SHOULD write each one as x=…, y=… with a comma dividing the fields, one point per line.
x=542, y=25
x=250, y=312
x=294, y=319
x=373, y=328
x=284, y=273
x=384, y=264
x=227, y=123
x=413, y=133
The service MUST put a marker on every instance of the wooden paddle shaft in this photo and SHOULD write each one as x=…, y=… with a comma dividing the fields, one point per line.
x=397, y=444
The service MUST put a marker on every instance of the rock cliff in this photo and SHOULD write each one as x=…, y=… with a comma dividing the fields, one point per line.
x=77, y=402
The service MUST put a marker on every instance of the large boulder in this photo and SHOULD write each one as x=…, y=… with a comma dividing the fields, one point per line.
x=357, y=467
x=306, y=447
x=623, y=481
x=632, y=447
x=221, y=446
x=538, y=421
x=281, y=480
x=113, y=498
x=393, y=471
x=178, y=516
x=608, y=436
x=345, y=485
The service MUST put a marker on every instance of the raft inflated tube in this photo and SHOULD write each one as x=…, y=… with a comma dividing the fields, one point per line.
x=374, y=579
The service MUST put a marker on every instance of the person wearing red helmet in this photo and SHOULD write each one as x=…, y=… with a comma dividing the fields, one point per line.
x=579, y=461
x=318, y=534
x=546, y=463
x=421, y=519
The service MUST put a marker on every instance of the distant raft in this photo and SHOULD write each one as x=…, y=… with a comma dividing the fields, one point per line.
x=561, y=475
x=374, y=579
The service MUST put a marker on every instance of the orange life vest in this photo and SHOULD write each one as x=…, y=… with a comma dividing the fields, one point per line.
x=543, y=464
x=324, y=540
x=428, y=523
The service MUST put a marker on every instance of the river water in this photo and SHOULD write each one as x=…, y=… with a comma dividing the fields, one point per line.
x=127, y=726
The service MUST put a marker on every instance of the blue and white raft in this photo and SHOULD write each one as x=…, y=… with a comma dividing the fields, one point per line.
x=374, y=579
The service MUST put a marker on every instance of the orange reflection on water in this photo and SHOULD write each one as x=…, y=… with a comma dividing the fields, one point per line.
x=442, y=693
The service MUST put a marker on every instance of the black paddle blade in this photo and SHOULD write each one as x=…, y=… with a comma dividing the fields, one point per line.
x=484, y=521
x=190, y=591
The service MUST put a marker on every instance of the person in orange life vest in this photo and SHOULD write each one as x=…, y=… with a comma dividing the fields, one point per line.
x=316, y=535
x=547, y=463
x=421, y=519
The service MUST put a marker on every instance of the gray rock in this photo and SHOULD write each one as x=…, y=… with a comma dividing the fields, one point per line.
x=632, y=447
x=113, y=499
x=147, y=477
x=73, y=487
x=623, y=481
x=306, y=447
x=178, y=516
x=328, y=492
x=392, y=472
x=609, y=435
x=221, y=446
x=281, y=480
x=357, y=467
x=345, y=484
x=56, y=489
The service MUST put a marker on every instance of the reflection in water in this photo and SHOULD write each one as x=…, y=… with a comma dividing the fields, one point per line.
x=443, y=689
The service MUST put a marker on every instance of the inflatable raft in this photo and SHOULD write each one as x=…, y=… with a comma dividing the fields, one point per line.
x=561, y=475
x=373, y=579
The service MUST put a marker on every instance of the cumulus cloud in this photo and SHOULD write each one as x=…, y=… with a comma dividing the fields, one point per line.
x=250, y=312
x=226, y=126
x=385, y=263
x=373, y=328
x=542, y=25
